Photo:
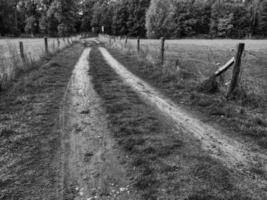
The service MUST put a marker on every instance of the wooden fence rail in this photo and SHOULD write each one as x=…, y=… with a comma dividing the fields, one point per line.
x=224, y=68
x=210, y=85
x=236, y=61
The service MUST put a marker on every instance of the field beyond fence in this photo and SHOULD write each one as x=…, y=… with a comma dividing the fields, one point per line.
x=33, y=49
x=203, y=57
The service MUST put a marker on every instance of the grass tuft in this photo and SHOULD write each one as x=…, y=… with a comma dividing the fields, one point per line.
x=243, y=115
x=7, y=133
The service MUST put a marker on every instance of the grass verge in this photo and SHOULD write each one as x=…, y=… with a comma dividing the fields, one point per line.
x=243, y=116
x=29, y=132
x=163, y=162
x=11, y=68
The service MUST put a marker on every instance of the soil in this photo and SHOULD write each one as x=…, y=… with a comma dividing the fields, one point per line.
x=82, y=127
x=229, y=151
x=29, y=129
x=226, y=179
x=91, y=169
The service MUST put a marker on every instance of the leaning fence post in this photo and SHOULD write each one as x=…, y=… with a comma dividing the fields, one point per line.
x=138, y=44
x=162, y=49
x=46, y=45
x=236, y=70
x=21, y=49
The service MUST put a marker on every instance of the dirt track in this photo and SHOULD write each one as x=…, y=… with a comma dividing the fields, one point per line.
x=29, y=130
x=229, y=151
x=92, y=130
x=89, y=156
x=236, y=156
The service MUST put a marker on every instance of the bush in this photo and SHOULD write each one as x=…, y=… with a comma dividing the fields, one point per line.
x=229, y=20
x=178, y=18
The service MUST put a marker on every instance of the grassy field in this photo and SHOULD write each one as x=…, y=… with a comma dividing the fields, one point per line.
x=203, y=57
x=188, y=63
x=163, y=162
x=60, y=138
x=34, y=49
x=29, y=129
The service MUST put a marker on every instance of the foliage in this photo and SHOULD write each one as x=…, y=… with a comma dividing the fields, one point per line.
x=52, y=17
x=226, y=19
x=7, y=17
x=136, y=19
x=151, y=18
x=229, y=20
x=157, y=18
x=263, y=19
x=87, y=9
x=121, y=17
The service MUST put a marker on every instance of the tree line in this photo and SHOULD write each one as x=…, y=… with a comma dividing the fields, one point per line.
x=118, y=17
x=39, y=17
x=151, y=18
x=207, y=18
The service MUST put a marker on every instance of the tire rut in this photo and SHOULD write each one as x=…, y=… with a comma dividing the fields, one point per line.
x=233, y=154
x=90, y=165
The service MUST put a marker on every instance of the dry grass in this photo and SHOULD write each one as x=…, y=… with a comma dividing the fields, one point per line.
x=203, y=57
x=29, y=129
x=11, y=62
x=162, y=161
x=179, y=78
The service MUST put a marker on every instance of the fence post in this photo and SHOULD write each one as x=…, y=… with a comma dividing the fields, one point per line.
x=58, y=43
x=138, y=44
x=21, y=49
x=46, y=45
x=54, y=46
x=236, y=70
x=126, y=41
x=110, y=42
x=162, y=50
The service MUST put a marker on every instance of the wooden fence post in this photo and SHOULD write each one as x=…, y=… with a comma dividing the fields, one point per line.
x=110, y=42
x=138, y=44
x=236, y=70
x=126, y=41
x=21, y=49
x=46, y=45
x=162, y=50
x=54, y=46
x=58, y=43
